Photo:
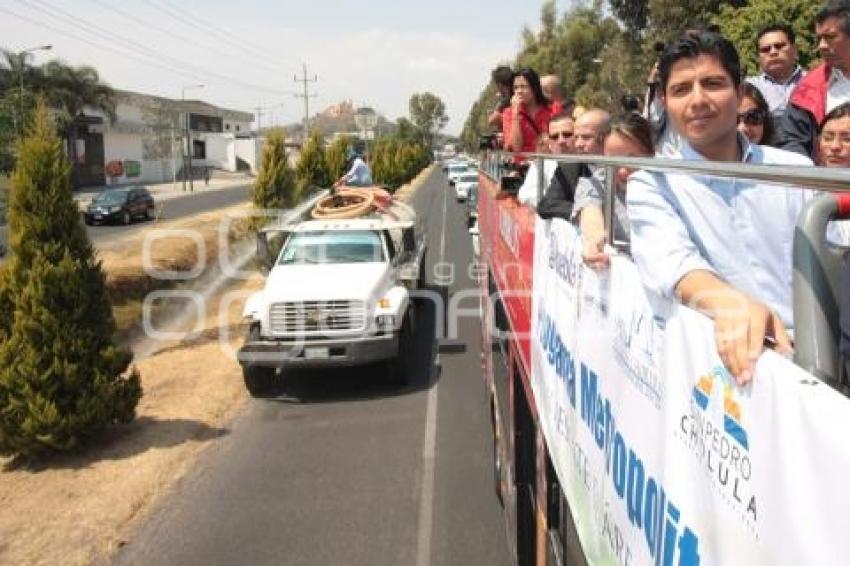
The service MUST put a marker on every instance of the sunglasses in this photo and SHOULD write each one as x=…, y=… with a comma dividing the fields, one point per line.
x=752, y=117
x=777, y=46
x=562, y=135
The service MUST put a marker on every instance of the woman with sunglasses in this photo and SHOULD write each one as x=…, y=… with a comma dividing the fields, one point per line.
x=630, y=136
x=754, y=118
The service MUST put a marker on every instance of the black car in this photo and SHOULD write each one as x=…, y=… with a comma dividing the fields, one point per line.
x=471, y=206
x=121, y=205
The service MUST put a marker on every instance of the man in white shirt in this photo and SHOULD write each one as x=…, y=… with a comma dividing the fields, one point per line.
x=780, y=73
x=722, y=246
x=561, y=136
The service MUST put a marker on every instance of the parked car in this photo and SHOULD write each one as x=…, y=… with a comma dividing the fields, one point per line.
x=464, y=183
x=121, y=205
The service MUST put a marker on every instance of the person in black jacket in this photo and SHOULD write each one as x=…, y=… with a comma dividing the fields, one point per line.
x=590, y=131
x=559, y=198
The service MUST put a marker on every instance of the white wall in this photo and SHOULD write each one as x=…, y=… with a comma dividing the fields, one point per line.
x=249, y=150
x=219, y=150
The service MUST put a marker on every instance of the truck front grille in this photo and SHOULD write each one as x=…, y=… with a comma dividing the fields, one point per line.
x=317, y=316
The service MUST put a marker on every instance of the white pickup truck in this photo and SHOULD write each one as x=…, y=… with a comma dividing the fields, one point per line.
x=337, y=294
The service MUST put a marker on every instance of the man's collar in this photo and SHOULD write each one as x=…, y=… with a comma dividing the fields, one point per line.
x=688, y=153
x=836, y=75
x=793, y=78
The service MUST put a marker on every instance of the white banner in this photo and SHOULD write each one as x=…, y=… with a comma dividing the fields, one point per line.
x=662, y=457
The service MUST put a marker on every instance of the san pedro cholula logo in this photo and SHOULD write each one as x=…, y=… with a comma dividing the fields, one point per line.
x=714, y=431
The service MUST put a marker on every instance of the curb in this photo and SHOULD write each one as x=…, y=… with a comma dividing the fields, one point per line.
x=405, y=192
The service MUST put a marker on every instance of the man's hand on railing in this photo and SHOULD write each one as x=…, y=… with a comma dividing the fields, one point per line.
x=741, y=324
x=593, y=252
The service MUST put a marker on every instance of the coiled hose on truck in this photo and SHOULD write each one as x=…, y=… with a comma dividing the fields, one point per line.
x=350, y=202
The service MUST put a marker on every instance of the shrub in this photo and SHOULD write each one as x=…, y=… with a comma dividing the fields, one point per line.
x=275, y=186
x=62, y=378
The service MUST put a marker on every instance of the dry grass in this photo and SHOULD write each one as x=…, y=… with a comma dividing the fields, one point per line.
x=80, y=508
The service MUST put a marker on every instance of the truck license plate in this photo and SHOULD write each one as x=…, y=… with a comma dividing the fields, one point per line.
x=316, y=353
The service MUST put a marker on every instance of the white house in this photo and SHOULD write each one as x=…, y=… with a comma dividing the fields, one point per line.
x=147, y=142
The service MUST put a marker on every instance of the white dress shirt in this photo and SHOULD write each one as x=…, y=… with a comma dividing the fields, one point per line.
x=838, y=89
x=740, y=230
x=527, y=194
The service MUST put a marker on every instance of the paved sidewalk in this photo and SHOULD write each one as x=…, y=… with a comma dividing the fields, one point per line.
x=166, y=191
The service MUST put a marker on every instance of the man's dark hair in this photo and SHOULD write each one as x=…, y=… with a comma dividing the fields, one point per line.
x=503, y=75
x=561, y=116
x=777, y=26
x=630, y=103
x=835, y=9
x=692, y=45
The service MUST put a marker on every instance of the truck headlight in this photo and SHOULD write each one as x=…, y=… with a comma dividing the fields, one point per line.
x=385, y=321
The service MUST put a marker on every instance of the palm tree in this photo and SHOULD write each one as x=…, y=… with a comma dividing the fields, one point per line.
x=12, y=66
x=72, y=89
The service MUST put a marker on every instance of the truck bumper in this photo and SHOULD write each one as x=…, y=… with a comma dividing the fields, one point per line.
x=319, y=353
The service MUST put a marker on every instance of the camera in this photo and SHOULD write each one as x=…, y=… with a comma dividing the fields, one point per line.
x=488, y=141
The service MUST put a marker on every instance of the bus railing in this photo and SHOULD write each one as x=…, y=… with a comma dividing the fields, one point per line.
x=817, y=264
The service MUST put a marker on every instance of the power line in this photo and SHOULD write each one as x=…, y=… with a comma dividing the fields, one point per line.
x=195, y=22
x=66, y=33
x=134, y=47
x=184, y=38
x=306, y=96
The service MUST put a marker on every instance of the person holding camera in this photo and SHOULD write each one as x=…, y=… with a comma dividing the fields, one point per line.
x=503, y=78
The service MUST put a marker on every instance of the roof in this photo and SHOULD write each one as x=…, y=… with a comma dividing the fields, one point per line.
x=350, y=224
x=193, y=106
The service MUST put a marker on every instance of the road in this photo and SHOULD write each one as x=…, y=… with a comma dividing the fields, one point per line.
x=196, y=203
x=340, y=467
x=200, y=201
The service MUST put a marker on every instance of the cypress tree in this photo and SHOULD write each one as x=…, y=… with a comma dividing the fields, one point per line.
x=62, y=378
x=336, y=157
x=275, y=186
x=312, y=168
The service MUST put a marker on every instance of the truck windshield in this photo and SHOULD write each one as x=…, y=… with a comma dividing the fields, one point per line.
x=332, y=247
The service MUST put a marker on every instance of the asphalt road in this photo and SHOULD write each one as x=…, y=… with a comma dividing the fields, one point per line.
x=195, y=203
x=340, y=467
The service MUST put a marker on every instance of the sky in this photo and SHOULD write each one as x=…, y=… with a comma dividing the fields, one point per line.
x=247, y=54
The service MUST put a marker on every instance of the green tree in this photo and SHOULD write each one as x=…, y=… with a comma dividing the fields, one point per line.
x=275, y=186
x=428, y=112
x=408, y=132
x=62, y=378
x=312, y=167
x=336, y=157
x=633, y=13
x=741, y=25
x=71, y=89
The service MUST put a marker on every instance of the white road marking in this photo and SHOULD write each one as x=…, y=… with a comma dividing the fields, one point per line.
x=429, y=449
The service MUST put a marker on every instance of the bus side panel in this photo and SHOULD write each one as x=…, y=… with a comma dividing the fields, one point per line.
x=507, y=239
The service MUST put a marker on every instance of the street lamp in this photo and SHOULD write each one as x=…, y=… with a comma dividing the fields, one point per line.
x=22, y=64
x=188, y=141
x=366, y=119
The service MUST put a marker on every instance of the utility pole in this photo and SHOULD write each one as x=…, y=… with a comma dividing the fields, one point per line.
x=306, y=96
x=259, y=110
x=188, y=139
x=22, y=63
